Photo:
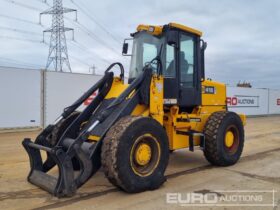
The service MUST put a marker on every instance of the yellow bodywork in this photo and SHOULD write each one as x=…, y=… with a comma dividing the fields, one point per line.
x=157, y=30
x=195, y=121
x=175, y=122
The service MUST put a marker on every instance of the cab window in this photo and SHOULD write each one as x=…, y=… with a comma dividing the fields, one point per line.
x=149, y=52
x=186, y=61
x=169, y=70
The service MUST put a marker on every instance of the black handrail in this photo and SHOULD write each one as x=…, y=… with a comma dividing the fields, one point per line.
x=121, y=68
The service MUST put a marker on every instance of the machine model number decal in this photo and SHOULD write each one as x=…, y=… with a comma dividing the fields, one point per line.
x=195, y=120
x=170, y=101
x=188, y=120
x=209, y=90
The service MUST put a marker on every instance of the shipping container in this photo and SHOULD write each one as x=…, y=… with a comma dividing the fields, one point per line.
x=20, y=91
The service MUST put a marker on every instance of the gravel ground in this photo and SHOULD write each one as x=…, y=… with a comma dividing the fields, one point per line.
x=258, y=170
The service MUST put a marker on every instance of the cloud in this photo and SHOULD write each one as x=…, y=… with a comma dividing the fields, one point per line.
x=243, y=36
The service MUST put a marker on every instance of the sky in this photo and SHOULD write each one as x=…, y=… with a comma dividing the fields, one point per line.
x=243, y=36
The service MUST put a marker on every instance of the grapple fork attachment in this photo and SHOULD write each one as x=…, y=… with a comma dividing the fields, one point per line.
x=63, y=185
x=66, y=183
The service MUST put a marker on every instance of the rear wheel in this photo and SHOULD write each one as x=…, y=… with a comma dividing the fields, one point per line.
x=135, y=154
x=224, y=138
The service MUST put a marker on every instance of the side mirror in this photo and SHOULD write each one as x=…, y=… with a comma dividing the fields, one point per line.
x=172, y=38
x=204, y=46
x=125, y=48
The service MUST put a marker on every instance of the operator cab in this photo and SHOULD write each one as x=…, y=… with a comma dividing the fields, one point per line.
x=182, y=55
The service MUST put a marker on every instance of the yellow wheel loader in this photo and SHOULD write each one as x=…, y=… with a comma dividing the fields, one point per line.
x=130, y=129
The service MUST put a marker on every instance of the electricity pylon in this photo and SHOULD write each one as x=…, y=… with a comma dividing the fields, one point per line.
x=58, y=53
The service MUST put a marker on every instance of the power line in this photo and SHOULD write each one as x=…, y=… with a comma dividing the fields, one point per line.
x=86, y=50
x=80, y=61
x=44, y=2
x=96, y=22
x=20, y=31
x=21, y=39
x=77, y=59
x=23, y=5
x=19, y=19
x=94, y=36
x=21, y=63
x=95, y=54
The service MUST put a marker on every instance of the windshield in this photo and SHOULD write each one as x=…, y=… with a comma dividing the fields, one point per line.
x=145, y=48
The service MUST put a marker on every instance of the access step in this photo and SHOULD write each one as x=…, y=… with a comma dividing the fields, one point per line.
x=192, y=134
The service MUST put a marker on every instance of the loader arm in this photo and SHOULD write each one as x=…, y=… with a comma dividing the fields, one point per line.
x=74, y=144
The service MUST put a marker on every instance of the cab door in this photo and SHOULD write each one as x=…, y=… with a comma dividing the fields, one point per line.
x=170, y=75
x=189, y=79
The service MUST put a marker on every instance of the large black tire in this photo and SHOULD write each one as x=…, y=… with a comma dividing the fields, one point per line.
x=216, y=150
x=119, y=146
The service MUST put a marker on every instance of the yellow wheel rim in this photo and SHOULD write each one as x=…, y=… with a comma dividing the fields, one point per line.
x=143, y=154
x=229, y=140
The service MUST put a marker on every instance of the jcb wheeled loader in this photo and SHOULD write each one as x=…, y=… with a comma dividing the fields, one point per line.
x=130, y=129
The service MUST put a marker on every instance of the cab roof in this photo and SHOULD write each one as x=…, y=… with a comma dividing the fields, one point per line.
x=157, y=30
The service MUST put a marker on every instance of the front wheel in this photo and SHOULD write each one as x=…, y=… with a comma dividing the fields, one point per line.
x=224, y=138
x=135, y=154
